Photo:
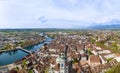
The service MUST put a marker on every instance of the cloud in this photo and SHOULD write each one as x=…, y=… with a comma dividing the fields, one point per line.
x=71, y=13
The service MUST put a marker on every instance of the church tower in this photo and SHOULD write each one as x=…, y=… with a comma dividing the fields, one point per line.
x=62, y=64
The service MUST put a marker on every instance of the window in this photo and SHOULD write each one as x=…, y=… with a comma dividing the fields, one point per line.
x=62, y=65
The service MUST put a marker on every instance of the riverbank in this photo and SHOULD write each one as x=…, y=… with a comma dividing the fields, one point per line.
x=6, y=68
x=35, y=44
x=1, y=51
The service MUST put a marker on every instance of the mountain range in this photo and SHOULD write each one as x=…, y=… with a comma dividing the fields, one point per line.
x=114, y=24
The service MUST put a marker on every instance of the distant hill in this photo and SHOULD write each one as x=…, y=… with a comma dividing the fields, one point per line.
x=112, y=26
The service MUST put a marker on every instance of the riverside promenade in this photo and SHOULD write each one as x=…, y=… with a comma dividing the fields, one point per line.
x=6, y=68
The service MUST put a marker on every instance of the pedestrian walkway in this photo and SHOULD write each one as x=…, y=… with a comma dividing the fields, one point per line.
x=4, y=70
x=24, y=50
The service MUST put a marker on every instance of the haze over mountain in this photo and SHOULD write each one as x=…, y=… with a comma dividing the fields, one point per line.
x=114, y=24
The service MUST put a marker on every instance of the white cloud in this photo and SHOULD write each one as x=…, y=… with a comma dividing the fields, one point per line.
x=72, y=12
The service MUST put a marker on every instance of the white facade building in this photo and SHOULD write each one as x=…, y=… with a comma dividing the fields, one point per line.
x=63, y=68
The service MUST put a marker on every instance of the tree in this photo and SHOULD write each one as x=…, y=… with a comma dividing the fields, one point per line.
x=115, y=69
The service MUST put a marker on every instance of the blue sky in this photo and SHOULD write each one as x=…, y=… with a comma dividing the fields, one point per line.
x=57, y=13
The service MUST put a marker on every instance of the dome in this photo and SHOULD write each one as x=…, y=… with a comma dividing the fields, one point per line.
x=58, y=59
x=62, y=57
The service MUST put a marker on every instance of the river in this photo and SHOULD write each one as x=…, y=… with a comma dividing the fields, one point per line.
x=12, y=56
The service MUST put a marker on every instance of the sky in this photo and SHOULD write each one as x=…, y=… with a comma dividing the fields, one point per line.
x=57, y=13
